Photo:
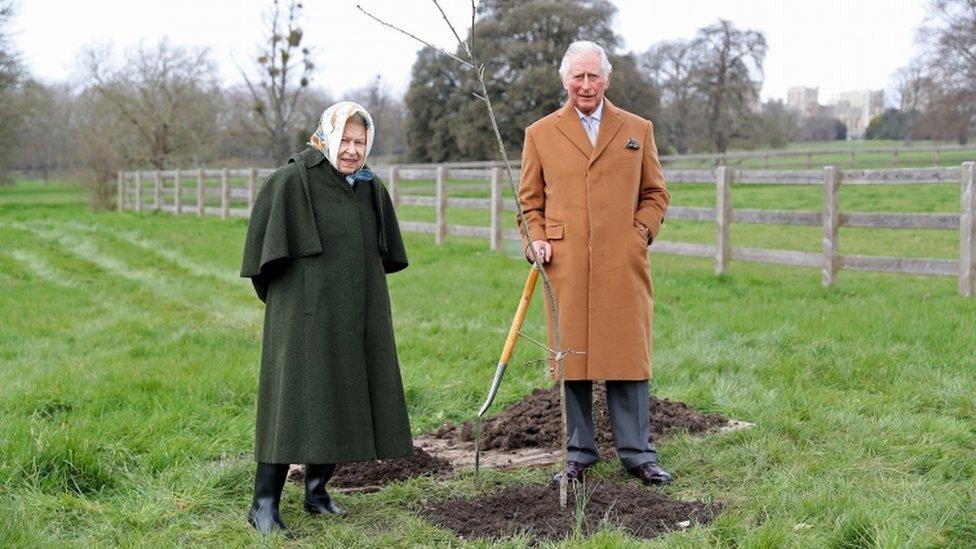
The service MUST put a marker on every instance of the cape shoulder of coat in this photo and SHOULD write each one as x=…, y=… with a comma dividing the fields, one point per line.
x=282, y=223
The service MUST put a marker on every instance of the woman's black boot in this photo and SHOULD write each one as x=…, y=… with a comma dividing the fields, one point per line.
x=317, y=500
x=264, y=515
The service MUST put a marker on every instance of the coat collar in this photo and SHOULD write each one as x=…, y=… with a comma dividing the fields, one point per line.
x=570, y=126
x=312, y=157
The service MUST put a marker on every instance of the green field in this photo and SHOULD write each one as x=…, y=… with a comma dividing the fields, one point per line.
x=128, y=368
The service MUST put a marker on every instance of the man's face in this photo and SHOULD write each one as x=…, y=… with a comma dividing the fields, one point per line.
x=352, y=149
x=585, y=82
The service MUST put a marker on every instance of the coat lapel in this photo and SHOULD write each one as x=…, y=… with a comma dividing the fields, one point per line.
x=571, y=127
x=609, y=127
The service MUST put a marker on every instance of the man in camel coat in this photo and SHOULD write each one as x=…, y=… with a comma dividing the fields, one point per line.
x=594, y=198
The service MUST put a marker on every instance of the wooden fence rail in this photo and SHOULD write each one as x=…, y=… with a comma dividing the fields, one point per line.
x=728, y=158
x=724, y=159
x=830, y=218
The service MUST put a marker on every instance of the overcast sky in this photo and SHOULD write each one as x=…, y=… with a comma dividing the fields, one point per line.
x=837, y=45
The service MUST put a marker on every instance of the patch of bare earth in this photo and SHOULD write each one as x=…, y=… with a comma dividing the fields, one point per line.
x=534, y=422
x=534, y=511
x=371, y=475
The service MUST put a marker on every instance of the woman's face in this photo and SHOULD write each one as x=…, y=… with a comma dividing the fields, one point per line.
x=352, y=149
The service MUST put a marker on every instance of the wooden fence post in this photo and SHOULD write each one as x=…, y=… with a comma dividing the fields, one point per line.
x=496, y=209
x=224, y=195
x=831, y=222
x=178, y=193
x=395, y=186
x=201, y=193
x=853, y=163
x=252, y=176
x=766, y=161
x=119, y=203
x=158, y=197
x=723, y=219
x=441, y=207
x=936, y=162
x=894, y=157
x=967, y=231
x=139, y=191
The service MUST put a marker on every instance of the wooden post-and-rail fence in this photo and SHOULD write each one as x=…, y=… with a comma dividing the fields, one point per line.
x=223, y=187
x=894, y=153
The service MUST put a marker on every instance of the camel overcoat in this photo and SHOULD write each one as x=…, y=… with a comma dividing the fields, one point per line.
x=599, y=207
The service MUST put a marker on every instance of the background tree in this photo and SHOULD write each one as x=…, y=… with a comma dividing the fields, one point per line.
x=912, y=87
x=673, y=67
x=891, y=124
x=47, y=110
x=821, y=126
x=710, y=91
x=432, y=102
x=774, y=126
x=388, y=114
x=284, y=70
x=950, y=63
x=521, y=43
x=167, y=93
x=104, y=141
x=729, y=72
x=10, y=76
x=241, y=140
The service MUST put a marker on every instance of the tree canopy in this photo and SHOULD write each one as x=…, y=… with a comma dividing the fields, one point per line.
x=521, y=44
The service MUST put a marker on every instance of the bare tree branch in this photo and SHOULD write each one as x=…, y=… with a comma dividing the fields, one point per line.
x=424, y=42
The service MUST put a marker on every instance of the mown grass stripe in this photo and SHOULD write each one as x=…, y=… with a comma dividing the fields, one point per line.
x=42, y=269
x=155, y=248
x=88, y=249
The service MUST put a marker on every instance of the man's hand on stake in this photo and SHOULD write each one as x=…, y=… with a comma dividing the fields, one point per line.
x=543, y=250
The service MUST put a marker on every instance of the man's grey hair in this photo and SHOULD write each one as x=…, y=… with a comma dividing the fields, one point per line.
x=580, y=47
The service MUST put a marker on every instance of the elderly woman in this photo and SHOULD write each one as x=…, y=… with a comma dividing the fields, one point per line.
x=322, y=237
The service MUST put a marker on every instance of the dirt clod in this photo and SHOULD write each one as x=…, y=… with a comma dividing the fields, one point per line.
x=533, y=510
x=535, y=422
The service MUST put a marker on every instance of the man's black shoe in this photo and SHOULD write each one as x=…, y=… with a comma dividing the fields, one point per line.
x=651, y=473
x=574, y=472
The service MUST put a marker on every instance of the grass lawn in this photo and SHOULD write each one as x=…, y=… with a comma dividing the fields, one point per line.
x=129, y=352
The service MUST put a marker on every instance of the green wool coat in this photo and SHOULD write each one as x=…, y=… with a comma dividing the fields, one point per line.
x=317, y=252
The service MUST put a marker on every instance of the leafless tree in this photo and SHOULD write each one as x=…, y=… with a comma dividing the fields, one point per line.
x=47, y=110
x=388, y=114
x=168, y=94
x=950, y=34
x=913, y=88
x=672, y=65
x=102, y=138
x=284, y=71
x=731, y=64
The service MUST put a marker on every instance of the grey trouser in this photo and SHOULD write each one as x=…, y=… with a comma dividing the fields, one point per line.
x=629, y=405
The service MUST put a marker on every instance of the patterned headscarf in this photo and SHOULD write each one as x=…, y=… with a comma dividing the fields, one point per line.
x=328, y=136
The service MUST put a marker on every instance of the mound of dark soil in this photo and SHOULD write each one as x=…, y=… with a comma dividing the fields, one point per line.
x=384, y=471
x=534, y=510
x=535, y=422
